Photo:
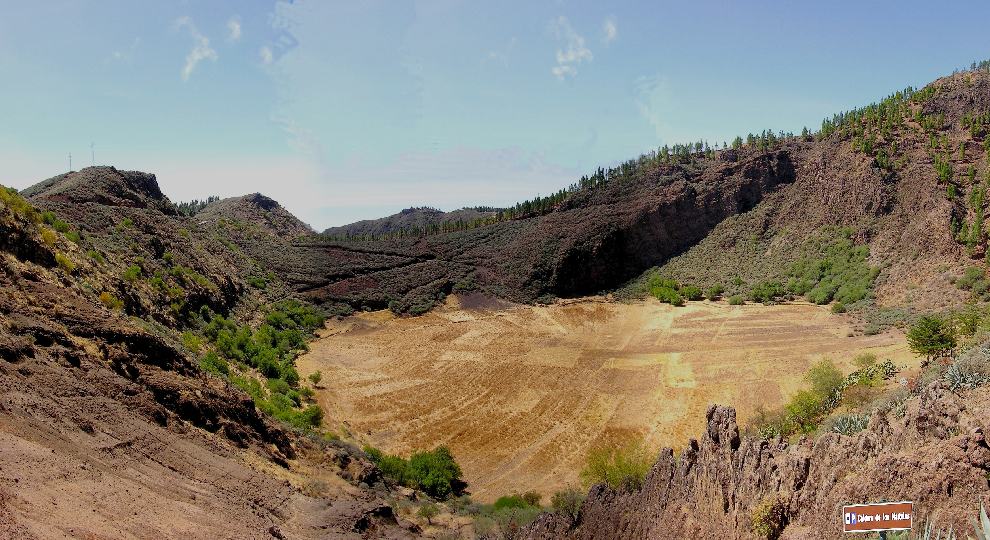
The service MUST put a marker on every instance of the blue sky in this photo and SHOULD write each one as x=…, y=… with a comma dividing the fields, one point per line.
x=353, y=110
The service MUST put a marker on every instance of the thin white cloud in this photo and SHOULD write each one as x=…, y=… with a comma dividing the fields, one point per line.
x=234, y=28
x=653, y=100
x=611, y=30
x=572, y=53
x=201, y=47
x=126, y=55
x=266, y=55
x=502, y=56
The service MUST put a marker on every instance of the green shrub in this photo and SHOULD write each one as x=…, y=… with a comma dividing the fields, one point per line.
x=665, y=290
x=393, y=467
x=436, y=472
x=65, y=263
x=211, y=363
x=48, y=236
x=278, y=386
x=316, y=377
x=806, y=408
x=532, y=498
x=133, y=273
x=838, y=307
x=191, y=341
x=833, y=269
x=736, y=300
x=931, y=336
x=769, y=518
x=428, y=511
x=567, y=502
x=111, y=301
x=690, y=292
x=620, y=467
x=96, y=256
x=18, y=205
x=511, y=501
x=766, y=292
x=714, y=292
x=849, y=424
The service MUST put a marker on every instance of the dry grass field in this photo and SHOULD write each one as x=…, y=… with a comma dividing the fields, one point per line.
x=520, y=393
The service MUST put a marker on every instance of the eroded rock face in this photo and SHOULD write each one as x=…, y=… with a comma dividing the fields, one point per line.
x=711, y=489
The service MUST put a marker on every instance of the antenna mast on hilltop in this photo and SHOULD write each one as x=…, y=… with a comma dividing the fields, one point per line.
x=92, y=154
x=70, y=161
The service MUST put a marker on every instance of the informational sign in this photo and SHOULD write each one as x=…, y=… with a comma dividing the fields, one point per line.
x=891, y=516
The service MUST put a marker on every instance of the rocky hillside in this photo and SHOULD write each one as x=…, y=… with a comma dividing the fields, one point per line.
x=109, y=423
x=413, y=220
x=931, y=451
x=905, y=176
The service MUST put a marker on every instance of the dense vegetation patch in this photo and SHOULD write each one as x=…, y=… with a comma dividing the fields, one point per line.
x=271, y=349
x=436, y=472
x=833, y=269
x=621, y=467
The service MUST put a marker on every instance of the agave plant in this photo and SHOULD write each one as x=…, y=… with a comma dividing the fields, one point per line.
x=982, y=526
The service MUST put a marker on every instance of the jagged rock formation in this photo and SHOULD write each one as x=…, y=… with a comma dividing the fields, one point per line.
x=936, y=455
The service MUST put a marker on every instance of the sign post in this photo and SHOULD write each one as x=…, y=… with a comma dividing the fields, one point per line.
x=891, y=516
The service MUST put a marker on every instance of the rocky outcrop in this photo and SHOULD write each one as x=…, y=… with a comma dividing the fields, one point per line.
x=935, y=455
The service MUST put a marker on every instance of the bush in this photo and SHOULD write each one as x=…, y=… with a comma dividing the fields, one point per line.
x=931, y=336
x=65, y=263
x=736, y=300
x=665, y=290
x=838, y=307
x=691, y=292
x=132, y=273
x=767, y=291
x=191, y=341
x=839, y=271
x=971, y=277
x=806, y=408
x=428, y=511
x=567, y=502
x=111, y=301
x=511, y=501
x=316, y=377
x=621, y=468
x=211, y=363
x=96, y=256
x=769, y=518
x=18, y=205
x=714, y=292
x=532, y=498
x=436, y=473
x=48, y=236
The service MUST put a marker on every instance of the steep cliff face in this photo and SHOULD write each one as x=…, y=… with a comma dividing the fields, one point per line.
x=936, y=455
